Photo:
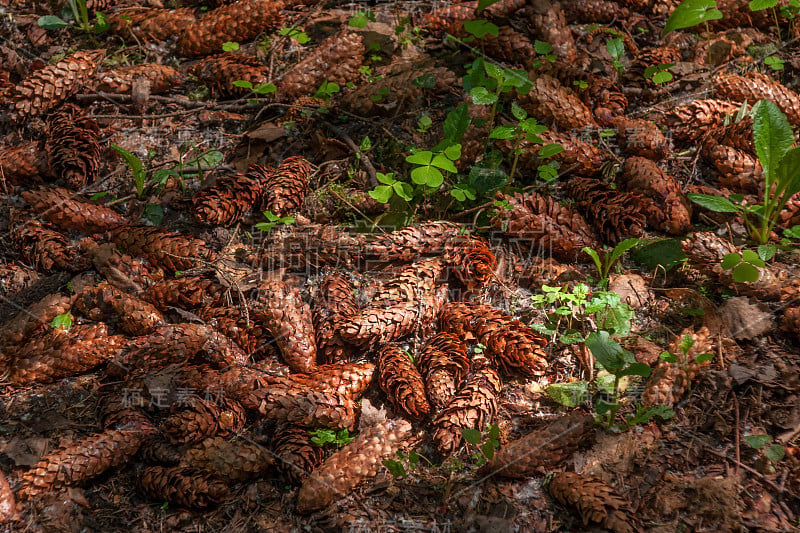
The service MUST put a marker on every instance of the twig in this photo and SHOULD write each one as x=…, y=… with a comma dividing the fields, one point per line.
x=736, y=434
x=721, y=455
x=373, y=176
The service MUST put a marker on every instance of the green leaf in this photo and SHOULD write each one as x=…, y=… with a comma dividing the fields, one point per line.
x=62, y=321
x=744, y=272
x=717, y=204
x=456, y=123
x=549, y=150
x=775, y=452
x=595, y=257
x=358, y=21
x=621, y=248
x=758, y=5
x=422, y=157
x=427, y=175
x=488, y=449
x=494, y=71
x=453, y=152
x=403, y=190
x=767, y=251
x=154, y=213
x=636, y=369
x=244, y=84
x=663, y=76
x=136, y=166
x=691, y=13
x=230, y=46
x=426, y=81
x=458, y=194
x=687, y=341
x=395, y=467
x=731, y=260
x=668, y=357
x=757, y=441
x=51, y=22
x=703, y=358
x=503, y=132
x=441, y=161
x=479, y=28
x=788, y=176
x=382, y=193
x=667, y=253
x=752, y=257
x=547, y=173
x=615, y=48
x=481, y=96
x=483, y=4
x=486, y=180
x=772, y=136
x=264, y=88
x=388, y=179
x=472, y=436
x=518, y=112
x=608, y=352
x=542, y=47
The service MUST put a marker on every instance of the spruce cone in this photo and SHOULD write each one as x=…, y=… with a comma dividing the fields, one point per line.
x=755, y=87
x=295, y=455
x=548, y=21
x=23, y=164
x=738, y=135
x=39, y=245
x=508, y=45
x=594, y=11
x=441, y=19
x=791, y=320
x=443, y=363
x=194, y=419
x=738, y=170
x=552, y=229
x=229, y=199
x=694, y=120
x=87, y=458
x=231, y=461
x=307, y=407
x=282, y=310
x=639, y=137
x=73, y=146
x=352, y=379
x=182, y=486
x=472, y=261
x=51, y=85
x=72, y=212
x=790, y=214
x=473, y=407
x=407, y=244
x=401, y=381
x=337, y=59
x=105, y=302
x=253, y=337
x=285, y=188
x=186, y=292
x=160, y=78
x=121, y=270
x=596, y=501
x=170, y=251
x=555, y=104
x=220, y=71
x=240, y=22
x=615, y=215
x=652, y=57
x=24, y=323
x=150, y=23
x=578, y=156
x=335, y=303
x=357, y=462
x=668, y=209
x=542, y=449
x=14, y=278
x=58, y=353
x=512, y=346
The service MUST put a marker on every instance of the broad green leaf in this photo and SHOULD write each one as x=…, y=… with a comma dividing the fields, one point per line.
x=488, y=449
x=423, y=157
x=758, y=5
x=691, y=13
x=731, y=260
x=427, y=175
x=403, y=190
x=388, y=179
x=757, y=441
x=615, y=48
x=441, y=161
x=264, y=88
x=62, y=321
x=547, y=173
x=668, y=357
x=549, y=150
x=479, y=28
x=230, y=46
x=136, y=166
x=788, y=175
x=518, y=112
x=595, y=257
x=493, y=71
x=772, y=136
x=502, y=132
x=358, y=21
x=483, y=4
x=687, y=341
x=472, y=436
x=51, y=22
x=453, y=152
x=717, y=204
x=541, y=47
x=775, y=452
x=568, y=394
x=456, y=123
x=703, y=357
x=752, y=257
x=744, y=272
x=667, y=253
x=663, y=76
x=608, y=352
x=636, y=369
x=767, y=251
x=458, y=194
x=395, y=467
x=621, y=248
x=615, y=317
x=382, y=193
x=244, y=84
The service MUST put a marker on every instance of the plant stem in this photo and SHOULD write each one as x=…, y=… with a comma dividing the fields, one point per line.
x=708, y=56
x=777, y=24
x=516, y=158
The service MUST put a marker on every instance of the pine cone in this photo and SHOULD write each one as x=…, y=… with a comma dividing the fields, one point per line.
x=335, y=303
x=357, y=462
x=549, y=22
x=596, y=501
x=229, y=199
x=171, y=251
x=104, y=302
x=194, y=419
x=39, y=245
x=555, y=104
x=282, y=310
x=150, y=23
x=231, y=461
x=473, y=407
x=412, y=242
x=737, y=14
x=552, y=229
x=220, y=71
x=791, y=320
x=183, y=487
x=70, y=211
x=285, y=188
x=295, y=455
x=160, y=78
x=615, y=215
x=351, y=379
x=24, y=323
x=738, y=135
x=307, y=407
x=337, y=59
x=240, y=22
x=512, y=346
x=186, y=292
x=653, y=57
x=755, y=87
x=472, y=261
x=669, y=209
x=443, y=362
x=73, y=146
x=443, y=18
x=14, y=278
x=639, y=137
x=51, y=85
x=504, y=8
x=594, y=11
x=542, y=449
x=23, y=164
x=87, y=458
x=790, y=214
x=121, y=270
x=508, y=45
x=693, y=120
x=253, y=337
x=401, y=381
x=578, y=156
x=738, y=170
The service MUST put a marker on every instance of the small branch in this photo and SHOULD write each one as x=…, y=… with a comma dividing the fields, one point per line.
x=373, y=176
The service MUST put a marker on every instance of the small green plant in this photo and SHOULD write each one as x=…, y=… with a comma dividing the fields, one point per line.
x=296, y=34
x=488, y=81
x=687, y=342
x=79, y=14
x=744, y=265
x=321, y=437
x=527, y=129
x=326, y=90
x=774, y=62
x=62, y=321
x=604, y=260
x=774, y=453
x=272, y=221
x=404, y=463
x=424, y=123
x=690, y=13
x=136, y=166
x=545, y=50
x=430, y=165
x=391, y=187
x=660, y=73
x=760, y=5
x=259, y=89
x=480, y=28
x=485, y=443
x=230, y=46
x=773, y=139
x=616, y=49
x=360, y=19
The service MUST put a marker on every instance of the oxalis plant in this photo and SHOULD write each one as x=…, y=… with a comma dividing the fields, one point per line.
x=773, y=139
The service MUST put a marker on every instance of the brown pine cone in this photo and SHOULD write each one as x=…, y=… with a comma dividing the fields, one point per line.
x=615, y=215
x=105, y=302
x=334, y=304
x=285, y=188
x=307, y=407
x=638, y=137
x=791, y=320
x=738, y=170
x=402, y=382
x=295, y=455
x=441, y=19
x=351, y=379
x=552, y=229
x=508, y=45
x=229, y=460
x=578, y=156
x=170, y=251
x=337, y=59
x=597, y=502
x=282, y=310
x=39, y=245
x=23, y=164
x=471, y=260
x=194, y=419
x=542, y=449
x=755, y=87
x=229, y=199
x=240, y=22
x=693, y=120
x=248, y=332
x=502, y=9
x=159, y=78
x=84, y=459
x=790, y=214
x=549, y=22
x=357, y=462
x=511, y=345
x=51, y=85
x=653, y=57
x=187, y=292
x=121, y=270
x=737, y=14
x=14, y=278
x=150, y=23
x=72, y=212
x=409, y=243
x=182, y=486
x=668, y=209
x=73, y=146
x=58, y=353
x=594, y=11
x=738, y=135
x=473, y=407
x=555, y=104
x=219, y=72
x=22, y=325
x=443, y=362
